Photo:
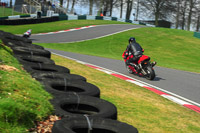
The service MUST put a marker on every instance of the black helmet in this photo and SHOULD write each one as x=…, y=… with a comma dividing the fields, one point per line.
x=131, y=39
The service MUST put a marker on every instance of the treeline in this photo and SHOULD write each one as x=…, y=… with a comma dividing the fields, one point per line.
x=182, y=13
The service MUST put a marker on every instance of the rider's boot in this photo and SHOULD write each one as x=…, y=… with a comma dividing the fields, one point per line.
x=153, y=64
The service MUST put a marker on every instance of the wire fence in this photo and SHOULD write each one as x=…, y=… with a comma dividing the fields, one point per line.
x=10, y=11
x=27, y=9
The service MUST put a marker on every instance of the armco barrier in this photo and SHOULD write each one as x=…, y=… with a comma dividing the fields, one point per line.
x=197, y=34
x=128, y=21
x=82, y=17
x=99, y=18
x=22, y=21
x=90, y=17
x=34, y=20
x=107, y=18
x=72, y=17
x=25, y=16
x=114, y=18
x=63, y=17
x=3, y=18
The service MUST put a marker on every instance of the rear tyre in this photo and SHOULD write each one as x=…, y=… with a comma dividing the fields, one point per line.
x=42, y=76
x=58, y=87
x=14, y=43
x=150, y=73
x=45, y=68
x=99, y=125
x=31, y=60
x=78, y=105
x=29, y=51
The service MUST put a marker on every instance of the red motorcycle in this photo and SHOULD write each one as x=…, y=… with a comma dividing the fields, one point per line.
x=144, y=65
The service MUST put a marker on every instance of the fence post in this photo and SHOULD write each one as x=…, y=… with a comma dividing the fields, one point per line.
x=13, y=10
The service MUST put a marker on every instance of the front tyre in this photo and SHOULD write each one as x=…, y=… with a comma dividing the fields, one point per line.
x=150, y=73
x=25, y=36
x=129, y=69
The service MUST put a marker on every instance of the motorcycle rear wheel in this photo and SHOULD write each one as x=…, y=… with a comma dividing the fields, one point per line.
x=150, y=73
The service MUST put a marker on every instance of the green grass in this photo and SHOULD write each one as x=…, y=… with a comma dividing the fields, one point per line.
x=4, y=12
x=143, y=109
x=171, y=48
x=23, y=101
x=54, y=26
x=136, y=106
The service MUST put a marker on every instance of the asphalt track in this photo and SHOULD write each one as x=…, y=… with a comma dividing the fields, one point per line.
x=84, y=34
x=179, y=83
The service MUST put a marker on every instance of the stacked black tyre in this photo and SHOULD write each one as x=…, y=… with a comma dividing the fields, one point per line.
x=75, y=100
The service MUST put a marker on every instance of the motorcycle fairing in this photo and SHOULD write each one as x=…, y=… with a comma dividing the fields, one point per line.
x=143, y=58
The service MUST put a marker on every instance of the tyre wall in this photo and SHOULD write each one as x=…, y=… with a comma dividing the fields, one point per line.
x=76, y=101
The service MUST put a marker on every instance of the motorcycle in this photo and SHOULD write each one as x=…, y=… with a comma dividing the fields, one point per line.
x=144, y=65
x=27, y=34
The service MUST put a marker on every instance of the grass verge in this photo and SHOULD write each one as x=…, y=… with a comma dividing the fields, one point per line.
x=22, y=99
x=54, y=26
x=4, y=12
x=137, y=106
x=171, y=48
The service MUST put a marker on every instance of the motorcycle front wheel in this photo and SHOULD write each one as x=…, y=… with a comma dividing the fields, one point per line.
x=25, y=36
x=129, y=69
x=150, y=73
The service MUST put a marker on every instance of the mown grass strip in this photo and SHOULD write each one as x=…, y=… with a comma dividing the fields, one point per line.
x=54, y=26
x=23, y=100
x=4, y=12
x=171, y=48
x=139, y=107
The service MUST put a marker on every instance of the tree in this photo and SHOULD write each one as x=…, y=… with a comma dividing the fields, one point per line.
x=112, y=3
x=91, y=7
x=197, y=15
x=159, y=8
x=129, y=8
x=177, y=13
x=121, y=7
x=137, y=10
x=106, y=7
x=101, y=6
x=183, y=13
x=61, y=3
x=67, y=5
x=191, y=7
x=10, y=3
x=72, y=8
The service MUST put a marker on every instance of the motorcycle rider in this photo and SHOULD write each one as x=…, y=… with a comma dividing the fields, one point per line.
x=27, y=33
x=136, y=50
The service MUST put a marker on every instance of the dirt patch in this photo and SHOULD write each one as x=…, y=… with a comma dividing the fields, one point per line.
x=8, y=68
x=45, y=126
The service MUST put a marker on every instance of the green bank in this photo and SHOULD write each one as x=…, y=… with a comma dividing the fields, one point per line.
x=171, y=48
x=23, y=101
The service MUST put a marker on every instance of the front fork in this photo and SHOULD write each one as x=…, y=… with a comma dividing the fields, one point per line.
x=142, y=69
